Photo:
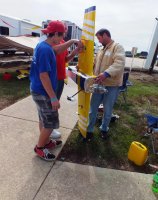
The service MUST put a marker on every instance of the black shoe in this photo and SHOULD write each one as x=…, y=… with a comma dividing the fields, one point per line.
x=104, y=135
x=89, y=137
x=114, y=118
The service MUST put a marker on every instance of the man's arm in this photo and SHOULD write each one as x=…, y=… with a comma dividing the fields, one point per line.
x=72, y=54
x=44, y=77
x=62, y=47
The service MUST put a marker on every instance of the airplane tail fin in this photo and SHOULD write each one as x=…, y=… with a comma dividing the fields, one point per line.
x=87, y=56
x=85, y=65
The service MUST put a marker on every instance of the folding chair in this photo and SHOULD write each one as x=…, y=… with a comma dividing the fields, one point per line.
x=152, y=130
x=126, y=83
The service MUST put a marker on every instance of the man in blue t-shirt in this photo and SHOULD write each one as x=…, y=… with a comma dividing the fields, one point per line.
x=43, y=77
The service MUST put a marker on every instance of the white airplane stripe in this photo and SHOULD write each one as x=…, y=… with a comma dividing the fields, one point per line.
x=82, y=122
x=87, y=36
x=83, y=118
x=82, y=126
x=91, y=30
x=89, y=22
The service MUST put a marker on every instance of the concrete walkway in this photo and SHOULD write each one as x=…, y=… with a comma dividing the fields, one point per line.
x=24, y=176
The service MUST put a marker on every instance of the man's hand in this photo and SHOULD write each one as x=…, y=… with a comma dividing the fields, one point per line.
x=79, y=43
x=55, y=104
x=100, y=78
x=77, y=67
x=78, y=50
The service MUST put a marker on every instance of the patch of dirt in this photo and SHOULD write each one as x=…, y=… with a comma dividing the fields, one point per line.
x=144, y=77
x=73, y=155
x=4, y=103
x=112, y=164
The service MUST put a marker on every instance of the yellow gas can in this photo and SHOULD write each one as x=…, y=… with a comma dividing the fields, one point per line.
x=137, y=153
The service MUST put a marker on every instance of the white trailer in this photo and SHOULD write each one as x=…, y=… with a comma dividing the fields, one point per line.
x=11, y=26
x=74, y=31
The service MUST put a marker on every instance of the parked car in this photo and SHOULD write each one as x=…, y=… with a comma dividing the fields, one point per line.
x=128, y=54
x=143, y=54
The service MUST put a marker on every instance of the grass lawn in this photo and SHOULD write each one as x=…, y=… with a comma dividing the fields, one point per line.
x=12, y=90
x=142, y=99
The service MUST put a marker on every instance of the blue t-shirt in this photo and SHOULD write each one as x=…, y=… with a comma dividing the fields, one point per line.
x=43, y=61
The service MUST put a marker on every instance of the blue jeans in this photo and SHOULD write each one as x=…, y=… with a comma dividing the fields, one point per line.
x=60, y=87
x=108, y=99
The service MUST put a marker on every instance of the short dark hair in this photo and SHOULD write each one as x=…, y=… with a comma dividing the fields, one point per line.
x=52, y=34
x=102, y=31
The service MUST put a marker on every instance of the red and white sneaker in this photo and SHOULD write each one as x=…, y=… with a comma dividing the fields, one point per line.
x=44, y=153
x=53, y=144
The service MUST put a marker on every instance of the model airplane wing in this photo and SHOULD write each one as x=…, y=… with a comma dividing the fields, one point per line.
x=84, y=77
x=85, y=64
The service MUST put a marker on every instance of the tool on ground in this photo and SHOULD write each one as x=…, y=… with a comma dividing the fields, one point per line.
x=71, y=98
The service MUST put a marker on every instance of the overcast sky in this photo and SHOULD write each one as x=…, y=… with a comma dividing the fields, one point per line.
x=131, y=22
